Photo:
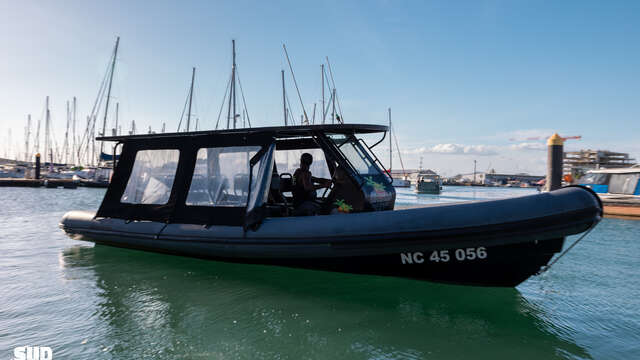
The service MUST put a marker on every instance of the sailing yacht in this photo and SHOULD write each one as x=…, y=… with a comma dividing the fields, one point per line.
x=399, y=183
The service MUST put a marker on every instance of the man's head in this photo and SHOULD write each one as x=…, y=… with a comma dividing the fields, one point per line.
x=306, y=159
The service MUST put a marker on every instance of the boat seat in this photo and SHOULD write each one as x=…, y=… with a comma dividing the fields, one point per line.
x=278, y=206
x=286, y=182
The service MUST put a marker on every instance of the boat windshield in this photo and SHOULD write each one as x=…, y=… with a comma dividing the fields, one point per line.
x=355, y=154
x=594, y=179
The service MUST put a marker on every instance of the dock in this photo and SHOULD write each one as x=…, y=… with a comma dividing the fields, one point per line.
x=48, y=183
x=626, y=207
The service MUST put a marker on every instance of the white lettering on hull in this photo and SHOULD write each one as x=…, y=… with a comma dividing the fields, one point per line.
x=466, y=254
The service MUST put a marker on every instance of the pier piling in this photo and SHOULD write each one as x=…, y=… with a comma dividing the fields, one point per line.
x=37, y=174
x=555, y=155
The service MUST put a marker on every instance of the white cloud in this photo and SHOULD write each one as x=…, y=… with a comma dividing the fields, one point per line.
x=481, y=150
x=456, y=149
x=528, y=146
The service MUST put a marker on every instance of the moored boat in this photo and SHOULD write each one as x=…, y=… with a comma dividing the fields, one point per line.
x=428, y=183
x=226, y=195
x=621, y=181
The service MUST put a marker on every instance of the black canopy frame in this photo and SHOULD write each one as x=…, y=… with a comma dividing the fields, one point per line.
x=176, y=210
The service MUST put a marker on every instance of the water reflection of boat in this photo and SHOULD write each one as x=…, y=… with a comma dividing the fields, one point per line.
x=219, y=195
x=176, y=307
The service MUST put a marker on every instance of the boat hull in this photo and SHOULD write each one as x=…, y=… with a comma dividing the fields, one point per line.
x=522, y=260
x=462, y=244
x=428, y=187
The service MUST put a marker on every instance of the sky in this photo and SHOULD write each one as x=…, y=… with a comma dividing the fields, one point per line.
x=466, y=80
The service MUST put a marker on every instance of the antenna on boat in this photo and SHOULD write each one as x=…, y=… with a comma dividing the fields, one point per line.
x=306, y=118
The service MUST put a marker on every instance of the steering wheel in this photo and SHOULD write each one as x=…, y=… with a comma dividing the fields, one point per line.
x=323, y=198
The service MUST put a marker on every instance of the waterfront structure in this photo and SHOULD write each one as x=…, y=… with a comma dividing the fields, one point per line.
x=492, y=178
x=577, y=163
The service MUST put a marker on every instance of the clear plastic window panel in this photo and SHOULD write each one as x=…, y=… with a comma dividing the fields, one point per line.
x=623, y=183
x=355, y=154
x=261, y=179
x=221, y=176
x=152, y=177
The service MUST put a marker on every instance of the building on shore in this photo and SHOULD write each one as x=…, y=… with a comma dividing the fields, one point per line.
x=577, y=163
x=493, y=178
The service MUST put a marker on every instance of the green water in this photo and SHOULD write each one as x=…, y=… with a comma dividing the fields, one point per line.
x=97, y=302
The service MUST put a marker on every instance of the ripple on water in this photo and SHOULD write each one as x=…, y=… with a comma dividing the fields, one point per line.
x=99, y=302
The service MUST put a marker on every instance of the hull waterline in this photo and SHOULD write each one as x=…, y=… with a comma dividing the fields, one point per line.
x=452, y=243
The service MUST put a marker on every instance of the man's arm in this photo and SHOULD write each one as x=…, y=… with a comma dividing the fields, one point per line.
x=322, y=183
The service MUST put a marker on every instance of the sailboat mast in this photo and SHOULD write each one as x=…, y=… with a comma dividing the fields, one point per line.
x=106, y=107
x=74, y=153
x=93, y=142
x=193, y=76
x=306, y=118
x=333, y=111
x=36, y=139
x=66, y=136
x=390, y=143
x=46, y=133
x=233, y=81
x=115, y=129
x=322, y=84
x=284, y=100
x=26, y=155
x=313, y=117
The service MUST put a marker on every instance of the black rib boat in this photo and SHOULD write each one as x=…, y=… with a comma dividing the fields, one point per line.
x=226, y=195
